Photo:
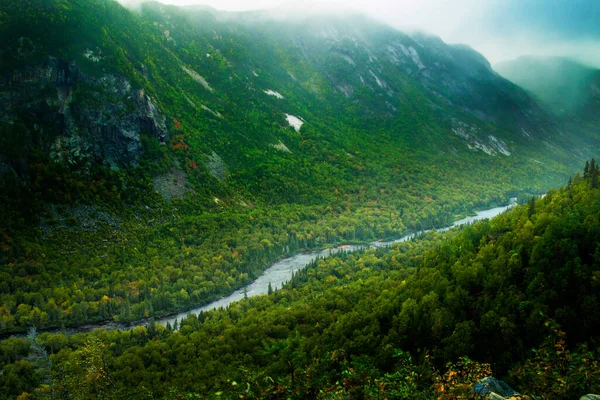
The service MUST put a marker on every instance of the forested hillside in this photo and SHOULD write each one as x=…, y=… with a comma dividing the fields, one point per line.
x=518, y=295
x=156, y=159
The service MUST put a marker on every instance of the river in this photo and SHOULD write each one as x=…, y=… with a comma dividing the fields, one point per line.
x=279, y=273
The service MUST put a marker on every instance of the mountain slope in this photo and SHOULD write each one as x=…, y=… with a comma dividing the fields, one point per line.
x=158, y=159
x=419, y=99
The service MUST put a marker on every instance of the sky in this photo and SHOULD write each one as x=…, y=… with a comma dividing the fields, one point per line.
x=499, y=29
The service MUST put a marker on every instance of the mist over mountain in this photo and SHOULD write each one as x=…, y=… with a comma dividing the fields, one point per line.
x=560, y=83
x=501, y=30
x=567, y=89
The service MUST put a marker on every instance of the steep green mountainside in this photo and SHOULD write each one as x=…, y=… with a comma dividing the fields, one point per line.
x=567, y=89
x=157, y=159
x=517, y=296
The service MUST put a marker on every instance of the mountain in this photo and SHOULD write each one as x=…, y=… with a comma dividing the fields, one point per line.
x=224, y=83
x=565, y=88
x=155, y=159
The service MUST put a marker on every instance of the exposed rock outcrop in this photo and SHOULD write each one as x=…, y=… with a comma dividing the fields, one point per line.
x=492, y=386
x=79, y=119
x=217, y=166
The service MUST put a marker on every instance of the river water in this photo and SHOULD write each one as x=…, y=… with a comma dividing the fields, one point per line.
x=281, y=271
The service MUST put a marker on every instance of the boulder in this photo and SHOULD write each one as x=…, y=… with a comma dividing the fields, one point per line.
x=492, y=385
x=590, y=397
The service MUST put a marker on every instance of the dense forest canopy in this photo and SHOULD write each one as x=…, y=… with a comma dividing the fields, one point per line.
x=517, y=294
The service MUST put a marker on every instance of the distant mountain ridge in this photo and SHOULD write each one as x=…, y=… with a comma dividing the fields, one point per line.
x=560, y=83
x=570, y=91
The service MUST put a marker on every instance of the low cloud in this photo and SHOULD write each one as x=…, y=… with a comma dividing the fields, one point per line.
x=499, y=29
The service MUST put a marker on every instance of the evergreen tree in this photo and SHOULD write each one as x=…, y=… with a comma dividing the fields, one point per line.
x=590, y=173
x=531, y=210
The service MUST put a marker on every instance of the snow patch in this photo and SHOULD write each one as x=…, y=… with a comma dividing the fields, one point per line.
x=197, y=77
x=274, y=93
x=294, y=121
x=281, y=147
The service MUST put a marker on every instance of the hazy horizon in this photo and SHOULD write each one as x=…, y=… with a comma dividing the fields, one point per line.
x=501, y=30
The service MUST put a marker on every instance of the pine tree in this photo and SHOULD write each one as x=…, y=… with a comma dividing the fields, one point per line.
x=270, y=289
x=152, y=327
x=531, y=206
x=590, y=173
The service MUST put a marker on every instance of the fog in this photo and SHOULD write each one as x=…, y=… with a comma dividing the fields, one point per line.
x=500, y=29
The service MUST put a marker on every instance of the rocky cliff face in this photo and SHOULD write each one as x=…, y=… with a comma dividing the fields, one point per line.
x=77, y=118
